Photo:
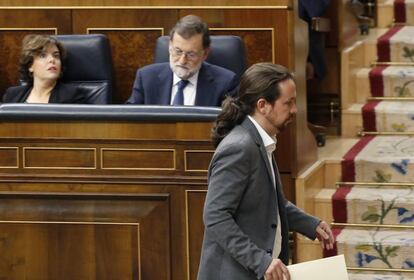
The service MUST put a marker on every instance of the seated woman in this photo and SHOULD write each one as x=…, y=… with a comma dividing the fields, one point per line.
x=41, y=64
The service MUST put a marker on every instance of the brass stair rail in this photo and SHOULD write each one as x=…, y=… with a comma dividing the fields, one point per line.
x=389, y=184
x=391, y=98
x=334, y=224
x=386, y=133
x=391, y=63
x=380, y=269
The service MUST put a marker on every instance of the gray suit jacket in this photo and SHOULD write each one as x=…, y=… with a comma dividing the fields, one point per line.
x=240, y=212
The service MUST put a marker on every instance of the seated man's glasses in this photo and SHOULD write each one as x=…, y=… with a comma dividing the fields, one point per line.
x=189, y=55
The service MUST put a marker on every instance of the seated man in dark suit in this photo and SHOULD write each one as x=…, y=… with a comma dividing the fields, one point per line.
x=187, y=79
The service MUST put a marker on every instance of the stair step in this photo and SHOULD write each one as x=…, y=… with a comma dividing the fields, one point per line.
x=395, y=81
x=396, y=44
x=376, y=248
x=389, y=116
x=390, y=11
x=374, y=205
x=351, y=124
x=380, y=159
x=323, y=204
x=385, y=13
x=362, y=85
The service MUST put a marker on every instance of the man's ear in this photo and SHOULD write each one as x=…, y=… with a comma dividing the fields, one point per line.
x=261, y=105
x=206, y=52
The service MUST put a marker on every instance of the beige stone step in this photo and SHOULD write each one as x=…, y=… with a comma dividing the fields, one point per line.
x=323, y=204
x=384, y=159
x=377, y=248
x=393, y=116
x=375, y=204
x=355, y=60
x=385, y=13
x=352, y=120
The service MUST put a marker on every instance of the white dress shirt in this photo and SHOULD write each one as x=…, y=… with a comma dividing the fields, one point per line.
x=189, y=90
x=270, y=146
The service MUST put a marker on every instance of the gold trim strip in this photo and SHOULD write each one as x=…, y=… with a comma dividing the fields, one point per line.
x=187, y=229
x=138, y=168
x=376, y=184
x=31, y=29
x=391, y=98
x=281, y=7
x=254, y=29
x=333, y=224
x=70, y=223
x=195, y=151
x=375, y=63
x=125, y=29
x=362, y=133
x=17, y=157
x=59, y=148
x=139, y=250
x=380, y=269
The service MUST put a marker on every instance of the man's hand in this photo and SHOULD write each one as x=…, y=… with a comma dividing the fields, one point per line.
x=324, y=235
x=277, y=271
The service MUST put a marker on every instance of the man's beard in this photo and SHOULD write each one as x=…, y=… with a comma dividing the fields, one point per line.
x=183, y=72
x=285, y=124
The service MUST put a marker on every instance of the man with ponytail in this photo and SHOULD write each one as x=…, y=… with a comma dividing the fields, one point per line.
x=246, y=216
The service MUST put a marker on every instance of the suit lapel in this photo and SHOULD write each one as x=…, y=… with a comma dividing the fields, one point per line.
x=280, y=195
x=205, y=86
x=165, y=86
x=256, y=136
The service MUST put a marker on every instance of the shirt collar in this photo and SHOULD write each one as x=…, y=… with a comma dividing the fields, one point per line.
x=268, y=141
x=192, y=80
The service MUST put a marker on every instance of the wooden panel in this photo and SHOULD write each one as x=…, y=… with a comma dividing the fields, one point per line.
x=103, y=237
x=36, y=18
x=151, y=159
x=131, y=49
x=288, y=186
x=303, y=144
x=259, y=42
x=11, y=42
x=197, y=160
x=347, y=25
x=252, y=19
x=9, y=157
x=59, y=158
x=52, y=251
x=195, y=229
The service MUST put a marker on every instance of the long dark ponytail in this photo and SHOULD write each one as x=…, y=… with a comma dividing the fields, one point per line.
x=261, y=80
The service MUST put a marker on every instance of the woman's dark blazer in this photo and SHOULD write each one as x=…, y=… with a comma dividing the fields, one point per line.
x=61, y=93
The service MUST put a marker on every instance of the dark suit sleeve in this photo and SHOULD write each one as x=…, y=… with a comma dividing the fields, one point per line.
x=137, y=96
x=15, y=94
x=300, y=221
x=228, y=180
